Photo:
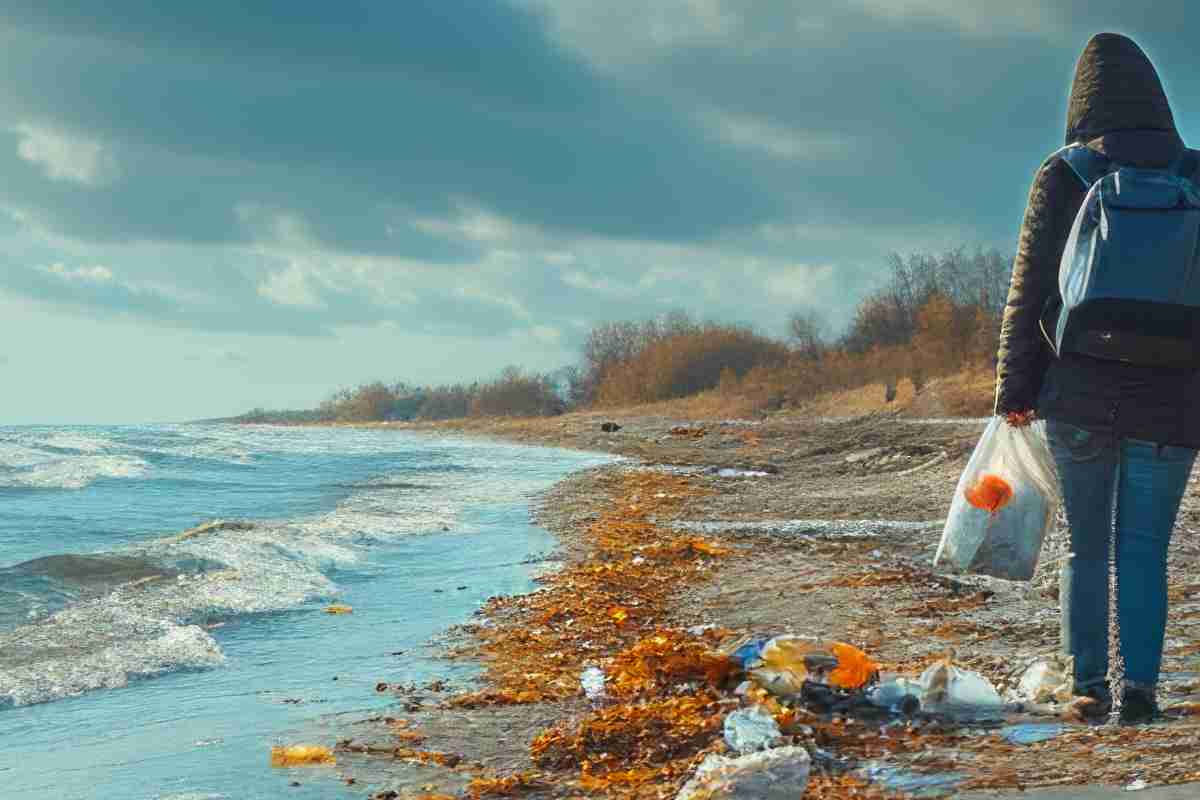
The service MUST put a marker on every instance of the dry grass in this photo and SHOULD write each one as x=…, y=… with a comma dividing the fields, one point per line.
x=863, y=400
x=712, y=404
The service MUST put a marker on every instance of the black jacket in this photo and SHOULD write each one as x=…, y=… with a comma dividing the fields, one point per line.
x=1117, y=107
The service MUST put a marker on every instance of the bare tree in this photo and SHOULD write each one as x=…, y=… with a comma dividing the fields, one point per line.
x=807, y=332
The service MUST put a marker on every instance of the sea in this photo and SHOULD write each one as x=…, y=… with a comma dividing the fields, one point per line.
x=164, y=594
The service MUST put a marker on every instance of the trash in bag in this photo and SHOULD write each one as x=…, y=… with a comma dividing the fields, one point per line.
x=1047, y=680
x=751, y=729
x=950, y=689
x=1004, y=504
x=989, y=492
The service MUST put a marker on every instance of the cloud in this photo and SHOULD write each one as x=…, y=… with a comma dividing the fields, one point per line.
x=518, y=170
x=65, y=157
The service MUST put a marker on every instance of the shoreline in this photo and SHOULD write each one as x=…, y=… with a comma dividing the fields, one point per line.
x=761, y=572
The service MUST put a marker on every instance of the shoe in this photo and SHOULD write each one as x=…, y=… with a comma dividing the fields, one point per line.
x=1093, y=705
x=1138, y=706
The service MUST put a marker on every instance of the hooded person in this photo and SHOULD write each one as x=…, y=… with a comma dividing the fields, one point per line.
x=1123, y=436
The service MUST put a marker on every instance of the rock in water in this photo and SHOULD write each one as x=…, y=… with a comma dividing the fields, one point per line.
x=779, y=774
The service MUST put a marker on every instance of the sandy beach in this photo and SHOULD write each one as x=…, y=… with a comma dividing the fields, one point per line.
x=710, y=531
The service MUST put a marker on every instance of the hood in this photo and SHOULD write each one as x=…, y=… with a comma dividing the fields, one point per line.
x=1116, y=89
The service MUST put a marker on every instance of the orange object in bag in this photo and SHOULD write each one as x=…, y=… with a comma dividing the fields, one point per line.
x=990, y=492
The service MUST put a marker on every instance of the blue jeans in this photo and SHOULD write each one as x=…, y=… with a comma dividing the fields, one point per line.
x=1135, y=486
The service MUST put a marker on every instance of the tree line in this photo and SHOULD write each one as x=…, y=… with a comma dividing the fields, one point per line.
x=935, y=314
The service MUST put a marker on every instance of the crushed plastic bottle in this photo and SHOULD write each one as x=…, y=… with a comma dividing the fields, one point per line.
x=748, y=730
x=951, y=689
x=898, y=695
x=592, y=681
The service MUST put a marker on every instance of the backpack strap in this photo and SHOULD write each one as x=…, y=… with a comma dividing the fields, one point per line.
x=1088, y=165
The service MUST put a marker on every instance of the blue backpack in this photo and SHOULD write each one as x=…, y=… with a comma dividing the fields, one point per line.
x=1129, y=280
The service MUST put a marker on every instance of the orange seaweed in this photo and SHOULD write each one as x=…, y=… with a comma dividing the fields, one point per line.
x=990, y=492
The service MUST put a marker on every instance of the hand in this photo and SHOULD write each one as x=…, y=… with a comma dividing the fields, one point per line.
x=1019, y=419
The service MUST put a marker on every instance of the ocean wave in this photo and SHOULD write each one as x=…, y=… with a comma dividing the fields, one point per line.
x=74, y=472
x=153, y=624
x=76, y=441
x=87, y=661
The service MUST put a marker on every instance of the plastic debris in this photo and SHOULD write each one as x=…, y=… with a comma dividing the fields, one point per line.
x=898, y=695
x=948, y=688
x=592, y=681
x=751, y=729
x=748, y=654
x=1032, y=732
x=783, y=665
x=338, y=609
x=854, y=669
x=1045, y=681
x=1136, y=786
x=301, y=755
x=778, y=774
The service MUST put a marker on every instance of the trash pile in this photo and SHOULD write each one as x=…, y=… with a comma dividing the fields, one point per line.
x=796, y=671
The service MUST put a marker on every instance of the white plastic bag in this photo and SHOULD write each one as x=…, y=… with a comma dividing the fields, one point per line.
x=1004, y=504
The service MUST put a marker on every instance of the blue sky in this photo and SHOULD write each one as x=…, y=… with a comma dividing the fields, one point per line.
x=205, y=209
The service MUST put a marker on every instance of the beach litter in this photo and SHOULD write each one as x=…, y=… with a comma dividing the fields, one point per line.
x=750, y=729
x=956, y=691
x=301, y=755
x=778, y=774
x=783, y=664
x=592, y=683
x=1046, y=680
x=339, y=609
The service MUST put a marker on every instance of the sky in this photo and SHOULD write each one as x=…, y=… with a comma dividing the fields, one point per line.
x=210, y=207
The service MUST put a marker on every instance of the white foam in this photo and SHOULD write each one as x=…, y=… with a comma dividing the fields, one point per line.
x=146, y=648
x=73, y=472
x=74, y=441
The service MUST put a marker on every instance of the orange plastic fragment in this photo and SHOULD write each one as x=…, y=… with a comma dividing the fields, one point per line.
x=990, y=492
x=300, y=755
x=854, y=667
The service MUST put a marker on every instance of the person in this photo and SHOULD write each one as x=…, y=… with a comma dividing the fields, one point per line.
x=1123, y=436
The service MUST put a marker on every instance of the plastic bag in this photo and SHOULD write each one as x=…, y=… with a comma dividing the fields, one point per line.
x=1004, y=504
x=950, y=689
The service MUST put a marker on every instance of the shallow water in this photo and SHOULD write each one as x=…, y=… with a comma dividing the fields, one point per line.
x=138, y=660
